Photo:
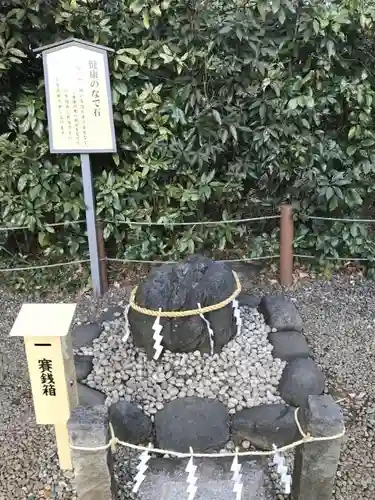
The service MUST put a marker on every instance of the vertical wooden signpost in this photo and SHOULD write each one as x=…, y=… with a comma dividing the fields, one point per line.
x=80, y=117
x=48, y=344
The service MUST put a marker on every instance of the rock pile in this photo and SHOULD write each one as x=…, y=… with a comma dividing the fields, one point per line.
x=181, y=287
x=244, y=374
x=195, y=399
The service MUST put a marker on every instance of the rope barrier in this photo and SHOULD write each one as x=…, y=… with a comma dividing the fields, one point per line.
x=183, y=314
x=55, y=224
x=43, y=266
x=155, y=262
x=135, y=261
x=306, y=438
x=337, y=219
x=196, y=223
x=347, y=259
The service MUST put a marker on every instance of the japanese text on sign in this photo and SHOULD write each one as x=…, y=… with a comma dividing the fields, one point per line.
x=46, y=377
x=78, y=100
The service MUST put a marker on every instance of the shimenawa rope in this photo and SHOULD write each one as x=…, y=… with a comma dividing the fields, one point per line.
x=190, y=312
x=306, y=438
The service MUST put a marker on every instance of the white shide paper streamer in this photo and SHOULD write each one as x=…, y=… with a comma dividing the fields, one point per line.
x=141, y=468
x=211, y=335
x=237, y=477
x=192, y=478
x=237, y=315
x=157, y=327
x=282, y=470
x=126, y=326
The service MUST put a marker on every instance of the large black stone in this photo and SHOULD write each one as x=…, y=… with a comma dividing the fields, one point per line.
x=89, y=397
x=129, y=422
x=249, y=300
x=280, y=313
x=83, y=335
x=200, y=423
x=265, y=425
x=289, y=345
x=181, y=287
x=83, y=366
x=301, y=378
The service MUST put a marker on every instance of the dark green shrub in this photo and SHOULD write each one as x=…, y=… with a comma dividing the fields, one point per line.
x=223, y=109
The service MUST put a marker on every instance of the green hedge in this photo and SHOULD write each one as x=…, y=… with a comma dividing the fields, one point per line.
x=223, y=109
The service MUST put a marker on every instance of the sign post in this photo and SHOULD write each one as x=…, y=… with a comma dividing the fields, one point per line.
x=48, y=345
x=80, y=117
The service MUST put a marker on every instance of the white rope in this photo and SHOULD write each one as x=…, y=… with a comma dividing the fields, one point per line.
x=55, y=224
x=43, y=266
x=136, y=261
x=306, y=438
x=196, y=223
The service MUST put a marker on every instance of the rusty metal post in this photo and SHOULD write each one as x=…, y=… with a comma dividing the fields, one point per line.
x=102, y=256
x=286, y=245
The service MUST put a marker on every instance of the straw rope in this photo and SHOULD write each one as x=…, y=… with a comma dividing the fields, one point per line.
x=190, y=312
x=305, y=438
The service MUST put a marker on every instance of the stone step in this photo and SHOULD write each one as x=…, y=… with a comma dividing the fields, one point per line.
x=166, y=480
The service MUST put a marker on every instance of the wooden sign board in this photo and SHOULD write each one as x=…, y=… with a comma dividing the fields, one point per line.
x=79, y=101
x=48, y=344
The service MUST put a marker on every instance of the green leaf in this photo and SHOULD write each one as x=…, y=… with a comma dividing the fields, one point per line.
x=137, y=6
x=34, y=192
x=17, y=52
x=137, y=127
x=224, y=136
x=43, y=239
x=309, y=101
x=281, y=16
x=262, y=10
x=351, y=150
x=333, y=204
x=121, y=87
x=133, y=51
x=217, y=116
x=233, y=131
x=293, y=103
x=39, y=129
x=22, y=181
x=35, y=21
x=24, y=126
x=330, y=48
x=116, y=159
x=275, y=5
x=316, y=26
x=351, y=133
x=127, y=60
x=21, y=112
x=146, y=20
x=329, y=193
x=155, y=9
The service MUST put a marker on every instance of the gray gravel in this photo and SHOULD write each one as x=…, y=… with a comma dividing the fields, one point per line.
x=339, y=323
x=244, y=374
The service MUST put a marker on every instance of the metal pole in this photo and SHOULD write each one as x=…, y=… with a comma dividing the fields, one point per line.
x=88, y=193
x=286, y=245
x=102, y=256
